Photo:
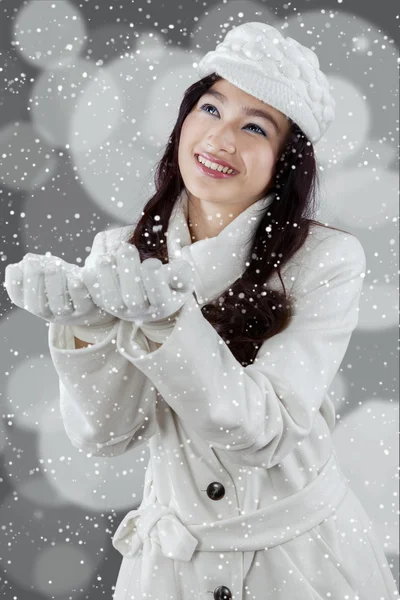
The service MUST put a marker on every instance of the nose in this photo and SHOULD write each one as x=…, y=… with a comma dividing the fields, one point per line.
x=222, y=139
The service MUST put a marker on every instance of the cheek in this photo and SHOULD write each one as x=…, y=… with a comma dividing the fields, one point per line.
x=264, y=159
x=185, y=136
x=194, y=125
x=187, y=133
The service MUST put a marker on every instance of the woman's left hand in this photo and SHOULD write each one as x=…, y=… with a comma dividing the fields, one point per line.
x=167, y=287
x=133, y=291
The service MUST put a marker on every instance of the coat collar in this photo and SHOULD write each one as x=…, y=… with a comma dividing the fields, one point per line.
x=217, y=261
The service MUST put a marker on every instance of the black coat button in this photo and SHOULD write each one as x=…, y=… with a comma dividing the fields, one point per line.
x=222, y=593
x=215, y=490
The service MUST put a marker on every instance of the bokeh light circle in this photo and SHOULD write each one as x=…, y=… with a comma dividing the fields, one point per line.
x=48, y=37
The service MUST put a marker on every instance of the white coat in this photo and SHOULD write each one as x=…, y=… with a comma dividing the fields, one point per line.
x=243, y=497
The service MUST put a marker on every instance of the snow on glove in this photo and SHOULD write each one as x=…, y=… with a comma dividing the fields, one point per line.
x=52, y=289
x=133, y=291
x=168, y=288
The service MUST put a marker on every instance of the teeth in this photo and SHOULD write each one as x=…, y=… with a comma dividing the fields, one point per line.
x=214, y=166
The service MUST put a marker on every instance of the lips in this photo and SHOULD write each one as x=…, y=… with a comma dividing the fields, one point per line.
x=218, y=161
x=213, y=173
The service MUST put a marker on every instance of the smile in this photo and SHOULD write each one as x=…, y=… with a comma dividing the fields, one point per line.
x=212, y=172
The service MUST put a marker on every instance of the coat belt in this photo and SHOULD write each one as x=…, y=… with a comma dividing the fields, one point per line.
x=163, y=536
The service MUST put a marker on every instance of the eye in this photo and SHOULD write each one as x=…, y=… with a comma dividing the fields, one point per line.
x=205, y=106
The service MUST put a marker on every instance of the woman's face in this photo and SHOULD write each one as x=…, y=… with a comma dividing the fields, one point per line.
x=250, y=144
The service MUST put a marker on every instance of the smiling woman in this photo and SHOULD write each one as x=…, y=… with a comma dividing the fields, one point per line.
x=275, y=171
x=243, y=496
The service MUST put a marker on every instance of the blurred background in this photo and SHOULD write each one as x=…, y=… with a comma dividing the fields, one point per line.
x=89, y=94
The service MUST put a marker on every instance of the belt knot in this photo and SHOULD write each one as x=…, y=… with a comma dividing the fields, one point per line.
x=155, y=523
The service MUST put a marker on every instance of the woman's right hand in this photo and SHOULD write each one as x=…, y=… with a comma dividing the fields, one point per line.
x=54, y=290
x=132, y=290
x=115, y=282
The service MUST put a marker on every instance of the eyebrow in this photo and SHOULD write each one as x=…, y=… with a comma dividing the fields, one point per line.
x=247, y=110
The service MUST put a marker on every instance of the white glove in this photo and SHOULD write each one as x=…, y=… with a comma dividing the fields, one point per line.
x=53, y=290
x=133, y=291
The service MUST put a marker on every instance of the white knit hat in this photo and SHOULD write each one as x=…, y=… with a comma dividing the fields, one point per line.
x=256, y=58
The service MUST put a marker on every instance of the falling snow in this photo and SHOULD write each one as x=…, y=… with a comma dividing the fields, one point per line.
x=156, y=412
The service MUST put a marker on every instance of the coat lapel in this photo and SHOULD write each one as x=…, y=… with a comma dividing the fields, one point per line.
x=217, y=261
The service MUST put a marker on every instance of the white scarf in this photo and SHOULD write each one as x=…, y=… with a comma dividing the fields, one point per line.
x=217, y=261
x=220, y=260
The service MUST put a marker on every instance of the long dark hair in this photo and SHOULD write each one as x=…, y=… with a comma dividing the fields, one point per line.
x=247, y=313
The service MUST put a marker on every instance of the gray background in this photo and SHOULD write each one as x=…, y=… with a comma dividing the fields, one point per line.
x=49, y=529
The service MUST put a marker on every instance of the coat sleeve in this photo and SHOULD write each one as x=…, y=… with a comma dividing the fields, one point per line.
x=106, y=403
x=259, y=413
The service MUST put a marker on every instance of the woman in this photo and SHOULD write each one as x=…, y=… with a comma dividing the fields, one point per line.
x=226, y=376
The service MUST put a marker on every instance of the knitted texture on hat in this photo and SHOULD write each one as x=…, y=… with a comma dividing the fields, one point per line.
x=256, y=58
